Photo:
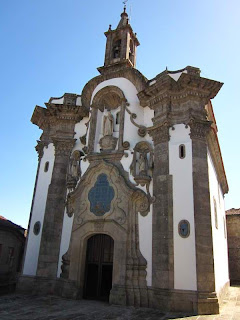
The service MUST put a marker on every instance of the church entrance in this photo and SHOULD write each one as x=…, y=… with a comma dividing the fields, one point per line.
x=99, y=267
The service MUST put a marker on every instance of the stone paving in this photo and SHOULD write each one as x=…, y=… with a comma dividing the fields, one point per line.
x=23, y=307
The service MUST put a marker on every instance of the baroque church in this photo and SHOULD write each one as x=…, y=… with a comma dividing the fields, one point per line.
x=128, y=204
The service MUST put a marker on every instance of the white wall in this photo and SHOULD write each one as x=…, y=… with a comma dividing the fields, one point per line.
x=183, y=208
x=145, y=239
x=65, y=239
x=220, y=249
x=44, y=179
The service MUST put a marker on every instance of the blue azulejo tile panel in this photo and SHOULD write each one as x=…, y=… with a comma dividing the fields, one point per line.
x=100, y=196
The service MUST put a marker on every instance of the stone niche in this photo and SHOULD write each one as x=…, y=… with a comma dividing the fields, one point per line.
x=107, y=121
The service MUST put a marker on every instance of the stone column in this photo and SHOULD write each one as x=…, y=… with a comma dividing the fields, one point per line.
x=54, y=212
x=162, y=250
x=207, y=302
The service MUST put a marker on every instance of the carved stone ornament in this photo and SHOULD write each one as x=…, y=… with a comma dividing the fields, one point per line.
x=142, y=130
x=119, y=222
x=74, y=169
x=69, y=206
x=65, y=266
x=83, y=139
x=63, y=147
x=160, y=133
x=39, y=148
x=142, y=163
x=199, y=129
x=126, y=145
x=108, y=143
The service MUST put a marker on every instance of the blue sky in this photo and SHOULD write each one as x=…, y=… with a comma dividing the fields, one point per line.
x=50, y=47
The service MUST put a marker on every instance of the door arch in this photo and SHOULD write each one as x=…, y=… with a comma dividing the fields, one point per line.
x=99, y=267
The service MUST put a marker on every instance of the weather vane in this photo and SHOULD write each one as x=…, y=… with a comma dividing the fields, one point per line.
x=124, y=2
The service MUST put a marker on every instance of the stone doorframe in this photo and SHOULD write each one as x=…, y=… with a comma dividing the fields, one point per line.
x=120, y=223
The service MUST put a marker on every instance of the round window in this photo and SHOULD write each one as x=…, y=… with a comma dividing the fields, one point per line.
x=37, y=227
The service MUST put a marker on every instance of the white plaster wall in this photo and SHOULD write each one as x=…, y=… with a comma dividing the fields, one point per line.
x=65, y=239
x=183, y=209
x=80, y=130
x=145, y=239
x=220, y=249
x=44, y=179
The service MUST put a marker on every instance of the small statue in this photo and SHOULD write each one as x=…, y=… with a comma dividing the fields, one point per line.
x=108, y=124
x=142, y=164
x=74, y=166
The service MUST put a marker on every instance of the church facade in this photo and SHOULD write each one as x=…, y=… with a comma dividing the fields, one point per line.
x=128, y=203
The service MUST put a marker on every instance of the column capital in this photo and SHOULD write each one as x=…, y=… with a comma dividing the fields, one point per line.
x=160, y=132
x=199, y=129
x=39, y=148
x=63, y=147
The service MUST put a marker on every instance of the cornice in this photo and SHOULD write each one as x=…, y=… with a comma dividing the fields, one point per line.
x=215, y=152
x=55, y=113
x=188, y=86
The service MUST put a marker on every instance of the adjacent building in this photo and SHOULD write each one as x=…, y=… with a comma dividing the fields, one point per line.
x=12, y=240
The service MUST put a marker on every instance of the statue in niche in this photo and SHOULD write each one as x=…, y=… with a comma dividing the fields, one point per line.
x=74, y=169
x=108, y=124
x=74, y=166
x=142, y=163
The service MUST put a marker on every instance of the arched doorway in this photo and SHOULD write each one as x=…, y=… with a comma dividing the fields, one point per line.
x=99, y=266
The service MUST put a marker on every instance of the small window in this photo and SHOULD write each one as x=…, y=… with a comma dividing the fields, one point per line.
x=37, y=228
x=118, y=118
x=182, y=151
x=184, y=228
x=46, y=166
x=215, y=213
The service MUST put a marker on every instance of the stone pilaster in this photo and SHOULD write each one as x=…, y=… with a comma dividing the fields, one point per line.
x=207, y=302
x=162, y=254
x=55, y=205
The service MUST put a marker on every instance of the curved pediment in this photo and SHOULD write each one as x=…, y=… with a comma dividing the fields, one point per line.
x=89, y=200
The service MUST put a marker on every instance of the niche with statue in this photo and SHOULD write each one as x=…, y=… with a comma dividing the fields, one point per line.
x=107, y=121
x=142, y=163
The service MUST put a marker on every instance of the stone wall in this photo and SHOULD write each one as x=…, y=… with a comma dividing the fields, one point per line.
x=233, y=232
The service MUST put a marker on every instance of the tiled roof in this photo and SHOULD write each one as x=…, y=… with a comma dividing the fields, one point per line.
x=233, y=211
x=7, y=223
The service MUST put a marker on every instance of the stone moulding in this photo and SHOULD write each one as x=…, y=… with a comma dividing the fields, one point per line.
x=215, y=151
x=120, y=222
x=131, y=74
x=187, y=86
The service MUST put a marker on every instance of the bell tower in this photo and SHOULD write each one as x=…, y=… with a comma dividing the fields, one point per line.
x=121, y=44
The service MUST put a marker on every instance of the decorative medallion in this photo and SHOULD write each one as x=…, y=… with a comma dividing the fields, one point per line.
x=100, y=196
x=36, y=228
x=184, y=228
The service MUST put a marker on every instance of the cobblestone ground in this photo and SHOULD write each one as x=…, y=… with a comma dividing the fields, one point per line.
x=23, y=307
